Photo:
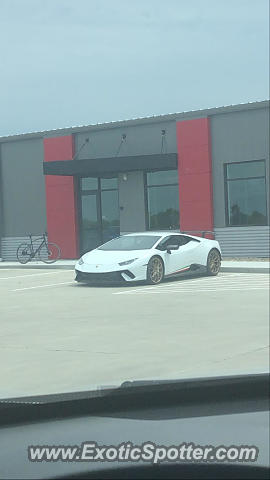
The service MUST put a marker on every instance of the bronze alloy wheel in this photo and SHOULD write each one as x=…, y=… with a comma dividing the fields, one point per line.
x=213, y=262
x=155, y=270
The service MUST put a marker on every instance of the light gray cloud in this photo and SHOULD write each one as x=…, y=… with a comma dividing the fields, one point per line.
x=70, y=63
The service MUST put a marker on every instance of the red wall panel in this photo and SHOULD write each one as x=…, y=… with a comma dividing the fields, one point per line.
x=58, y=148
x=195, y=174
x=61, y=198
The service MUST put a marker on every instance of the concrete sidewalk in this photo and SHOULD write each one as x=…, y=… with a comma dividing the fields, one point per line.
x=60, y=264
x=243, y=266
x=240, y=266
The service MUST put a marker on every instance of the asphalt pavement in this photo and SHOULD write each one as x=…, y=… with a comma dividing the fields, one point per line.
x=60, y=336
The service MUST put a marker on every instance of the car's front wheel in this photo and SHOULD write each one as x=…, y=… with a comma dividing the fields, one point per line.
x=155, y=270
x=213, y=262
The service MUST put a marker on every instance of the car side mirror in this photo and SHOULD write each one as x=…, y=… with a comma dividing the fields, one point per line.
x=172, y=247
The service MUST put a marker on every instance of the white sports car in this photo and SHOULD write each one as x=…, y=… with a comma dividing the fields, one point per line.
x=148, y=256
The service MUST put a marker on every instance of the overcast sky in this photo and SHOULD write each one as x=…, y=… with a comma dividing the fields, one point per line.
x=76, y=62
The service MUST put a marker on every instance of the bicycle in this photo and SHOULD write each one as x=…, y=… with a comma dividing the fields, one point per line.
x=48, y=252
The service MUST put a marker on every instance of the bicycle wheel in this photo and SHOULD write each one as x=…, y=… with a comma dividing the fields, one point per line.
x=49, y=252
x=24, y=253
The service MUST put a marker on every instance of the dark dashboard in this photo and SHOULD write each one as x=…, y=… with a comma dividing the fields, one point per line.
x=209, y=411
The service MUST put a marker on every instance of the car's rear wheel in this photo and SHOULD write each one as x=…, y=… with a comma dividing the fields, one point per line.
x=213, y=262
x=155, y=270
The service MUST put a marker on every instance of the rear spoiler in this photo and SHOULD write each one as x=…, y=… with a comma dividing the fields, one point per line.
x=200, y=233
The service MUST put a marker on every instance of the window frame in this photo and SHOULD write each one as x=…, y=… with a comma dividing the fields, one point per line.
x=99, y=186
x=146, y=187
x=98, y=192
x=168, y=237
x=226, y=191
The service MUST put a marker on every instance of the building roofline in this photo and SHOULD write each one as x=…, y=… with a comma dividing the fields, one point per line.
x=138, y=121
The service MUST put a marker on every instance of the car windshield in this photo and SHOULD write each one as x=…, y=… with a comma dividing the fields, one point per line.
x=134, y=185
x=131, y=242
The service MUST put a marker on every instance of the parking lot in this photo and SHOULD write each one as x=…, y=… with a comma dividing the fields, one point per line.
x=59, y=336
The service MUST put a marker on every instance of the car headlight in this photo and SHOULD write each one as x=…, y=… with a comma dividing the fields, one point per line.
x=80, y=262
x=127, y=262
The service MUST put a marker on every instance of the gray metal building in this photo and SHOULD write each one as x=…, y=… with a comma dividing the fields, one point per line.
x=193, y=171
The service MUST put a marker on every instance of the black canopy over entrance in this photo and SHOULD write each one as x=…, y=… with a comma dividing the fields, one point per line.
x=100, y=166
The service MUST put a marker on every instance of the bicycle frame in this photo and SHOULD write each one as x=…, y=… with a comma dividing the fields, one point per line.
x=44, y=242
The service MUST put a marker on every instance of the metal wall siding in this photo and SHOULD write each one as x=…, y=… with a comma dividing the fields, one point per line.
x=234, y=242
x=132, y=202
x=244, y=241
x=9, y=246
x=145, y=139
x=22, y=188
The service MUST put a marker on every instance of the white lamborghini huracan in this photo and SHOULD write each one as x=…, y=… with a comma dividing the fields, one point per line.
x=148, y=256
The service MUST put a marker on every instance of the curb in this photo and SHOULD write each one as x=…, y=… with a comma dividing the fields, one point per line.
x=38, y=267
x=245, y=269
x=56, y=266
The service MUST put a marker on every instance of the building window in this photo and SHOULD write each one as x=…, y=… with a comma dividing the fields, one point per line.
x=89, y=183
x=246, y=193
x=162, y=195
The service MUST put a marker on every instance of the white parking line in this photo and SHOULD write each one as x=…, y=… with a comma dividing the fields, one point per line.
x=186, y=281
x=29, y=275
x=188, y=285
x=41, y=286
x=195, y=290
x=221, y=283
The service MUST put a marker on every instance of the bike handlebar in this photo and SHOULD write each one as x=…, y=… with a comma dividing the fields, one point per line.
x=38, y=236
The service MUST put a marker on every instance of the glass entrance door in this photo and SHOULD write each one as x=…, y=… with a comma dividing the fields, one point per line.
x=99, y=212
x=110, y=215
x=91, y=225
